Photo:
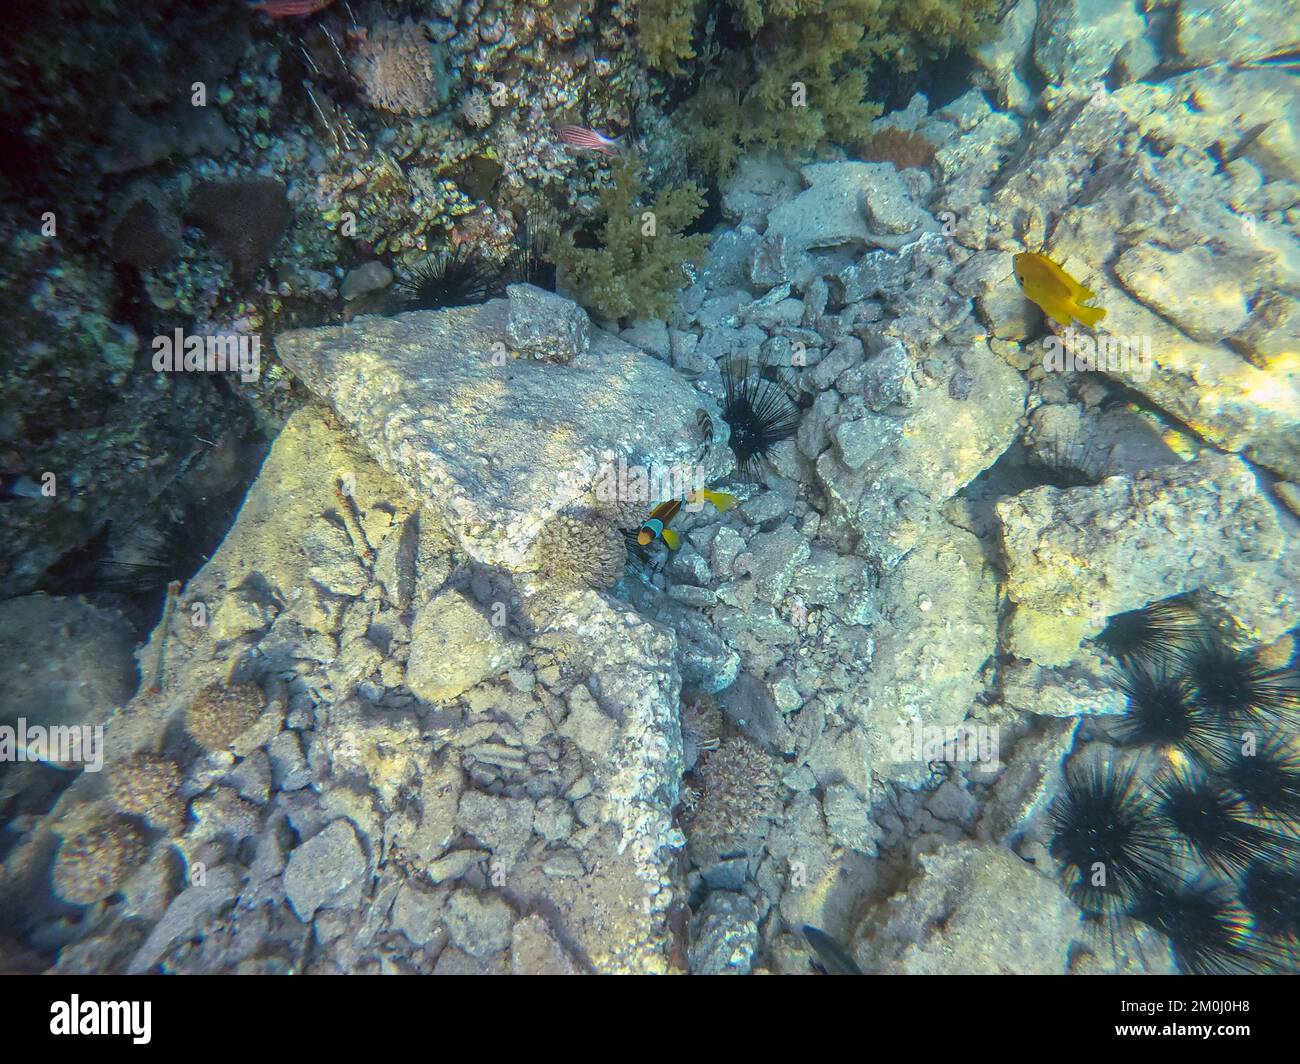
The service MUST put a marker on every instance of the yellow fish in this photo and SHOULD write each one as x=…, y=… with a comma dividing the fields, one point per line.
x=722, y=501
x=1059, y=295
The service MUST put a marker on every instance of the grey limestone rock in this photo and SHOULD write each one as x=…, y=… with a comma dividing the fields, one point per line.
x=725, y=936
x=498, y=448
x=546, y=326
x=974, y=909
x=324, y=868
x=1077, y=556
x=1236, y=30
x=453, y=647
x=479, y=924
x=1078, y=40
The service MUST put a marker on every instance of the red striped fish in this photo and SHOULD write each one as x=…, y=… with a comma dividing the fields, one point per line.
x=581, y=137
x=288, y=8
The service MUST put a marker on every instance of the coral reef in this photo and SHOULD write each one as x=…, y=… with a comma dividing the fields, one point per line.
x=977, y=618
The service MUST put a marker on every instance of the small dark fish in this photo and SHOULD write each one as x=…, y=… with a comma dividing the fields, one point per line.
x=835, y=959
x=589, y=139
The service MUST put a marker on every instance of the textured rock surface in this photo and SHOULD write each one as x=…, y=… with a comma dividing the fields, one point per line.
x=1188, y=287
x=974, y=909
x=849, y=203
x=1240, y=30
x=572, y=806
x=70, y=663
x=498, y=449
x=1076, y=557
x=490, y=721
x=938, y=625
x=453, y=647
x=1003, y=60
x=322, y=870
x=725, y=936
x=1078, y=40
x=544, y=325
x=1244, y=393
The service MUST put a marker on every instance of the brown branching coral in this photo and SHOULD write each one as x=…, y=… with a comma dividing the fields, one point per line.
x=572, y=551
x=397, y=68
x=93, y=864
x=219, y=715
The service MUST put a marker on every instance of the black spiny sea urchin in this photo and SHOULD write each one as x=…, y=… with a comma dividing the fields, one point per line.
x=1205, y=926
x=1266, y=773
x=759, y=411
x=533, y=261
x=1238, y=685
x=1163, y=713
x=1106, y=834
x=1159, y=630
x=1269, y=890
x=1215, y=823
x=454, y=278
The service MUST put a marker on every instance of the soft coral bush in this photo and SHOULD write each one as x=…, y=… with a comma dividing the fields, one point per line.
x=830, y=47
x=632, y=273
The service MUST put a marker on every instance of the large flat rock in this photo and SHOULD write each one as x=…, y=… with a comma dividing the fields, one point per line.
x=497, y=443
x=1075, y=557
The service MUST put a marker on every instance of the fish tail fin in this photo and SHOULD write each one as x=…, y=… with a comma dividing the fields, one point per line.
x=673, y=540
x=1090, y=315
x=722, y=501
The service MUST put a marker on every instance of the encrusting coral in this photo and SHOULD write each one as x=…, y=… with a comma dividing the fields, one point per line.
x=640, y=263
x=148, y=786
x=572, y=551
x=93, y=864
x=219, y=715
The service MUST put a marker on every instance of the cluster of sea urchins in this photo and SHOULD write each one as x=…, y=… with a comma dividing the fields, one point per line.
x=1207, y=851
